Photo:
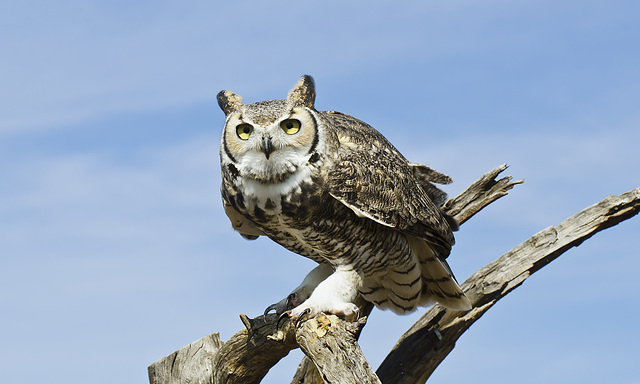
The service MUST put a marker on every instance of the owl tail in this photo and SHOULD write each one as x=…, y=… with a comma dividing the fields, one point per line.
x=398, y=290
x=438, y=282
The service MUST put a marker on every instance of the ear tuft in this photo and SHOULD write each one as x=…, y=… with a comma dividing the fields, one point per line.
x=303, y=93
x=229, y=101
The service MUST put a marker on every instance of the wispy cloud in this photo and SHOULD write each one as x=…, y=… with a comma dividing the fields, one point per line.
x=112, y=235
x=72, y=62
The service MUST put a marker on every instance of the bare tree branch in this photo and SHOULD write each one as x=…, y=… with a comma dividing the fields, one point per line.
x=462, y=207
x=478, y=195
x=190, y=364
x=249, y=354
x=421, y=349
x=307, y=372
x=331, y=343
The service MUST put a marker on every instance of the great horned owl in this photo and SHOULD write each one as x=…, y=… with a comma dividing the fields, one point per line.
x=329, y=187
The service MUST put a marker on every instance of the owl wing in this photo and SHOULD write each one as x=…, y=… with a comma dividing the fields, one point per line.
x=374, y=180
x=426, y=178
x=241, y=224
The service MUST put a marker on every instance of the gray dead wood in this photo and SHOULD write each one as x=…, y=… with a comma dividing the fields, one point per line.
x=307, y=372
x=331, y=343
x=478, y=195
x=250, y=353
x=421, y=349
x=191, y=364
x=472, y=200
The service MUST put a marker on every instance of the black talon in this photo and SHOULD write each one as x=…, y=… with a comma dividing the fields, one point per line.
x=269, y=309
x=282, y=315
x=302, y=315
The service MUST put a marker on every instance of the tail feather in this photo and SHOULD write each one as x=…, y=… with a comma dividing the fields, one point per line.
x=424, y=280
x=398, y=290
x=439, y=284
x=404, y=288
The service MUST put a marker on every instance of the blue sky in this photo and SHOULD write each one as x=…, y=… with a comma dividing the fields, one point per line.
x=115, y=250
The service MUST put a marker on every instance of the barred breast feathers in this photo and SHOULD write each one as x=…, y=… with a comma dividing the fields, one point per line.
x=269, y=196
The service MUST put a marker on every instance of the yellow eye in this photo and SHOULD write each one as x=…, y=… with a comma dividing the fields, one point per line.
x=244, y=131
x=290, y=126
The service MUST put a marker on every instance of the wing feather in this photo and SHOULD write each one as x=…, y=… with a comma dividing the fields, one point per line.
x=372, y=178
x=241, y=224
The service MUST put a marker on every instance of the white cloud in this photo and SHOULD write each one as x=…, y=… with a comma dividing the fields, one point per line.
x=72, y=62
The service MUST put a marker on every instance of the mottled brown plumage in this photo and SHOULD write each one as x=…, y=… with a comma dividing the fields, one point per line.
x=330, y=187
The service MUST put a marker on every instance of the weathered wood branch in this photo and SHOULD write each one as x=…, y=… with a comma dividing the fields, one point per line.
x=478, y=195
x=472, y=200
x=421, y=349
x=190, y=364
x=307, y=372
x=262, y=349
x=331, y=343
x=250, y=353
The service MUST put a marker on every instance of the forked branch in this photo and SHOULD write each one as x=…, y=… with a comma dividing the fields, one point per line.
x=331, y=342
x=421, y=349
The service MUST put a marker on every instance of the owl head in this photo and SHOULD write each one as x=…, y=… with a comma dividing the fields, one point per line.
x=270, y=140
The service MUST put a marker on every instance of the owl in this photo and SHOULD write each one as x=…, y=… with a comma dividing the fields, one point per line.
x=329, y=187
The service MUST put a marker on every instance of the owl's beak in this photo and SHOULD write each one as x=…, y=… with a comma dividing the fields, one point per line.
x=267, y=147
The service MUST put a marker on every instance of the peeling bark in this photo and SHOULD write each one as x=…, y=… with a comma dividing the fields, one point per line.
x=331, y=343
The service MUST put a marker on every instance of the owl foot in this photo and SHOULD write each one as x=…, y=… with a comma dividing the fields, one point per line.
x=334, y=295
x=287, y=315
x=284, y=305
x=303, y=291
x=348, y=311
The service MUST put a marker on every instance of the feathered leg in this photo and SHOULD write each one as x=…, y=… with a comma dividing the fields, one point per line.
x=303, y=291
x=333, y=295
